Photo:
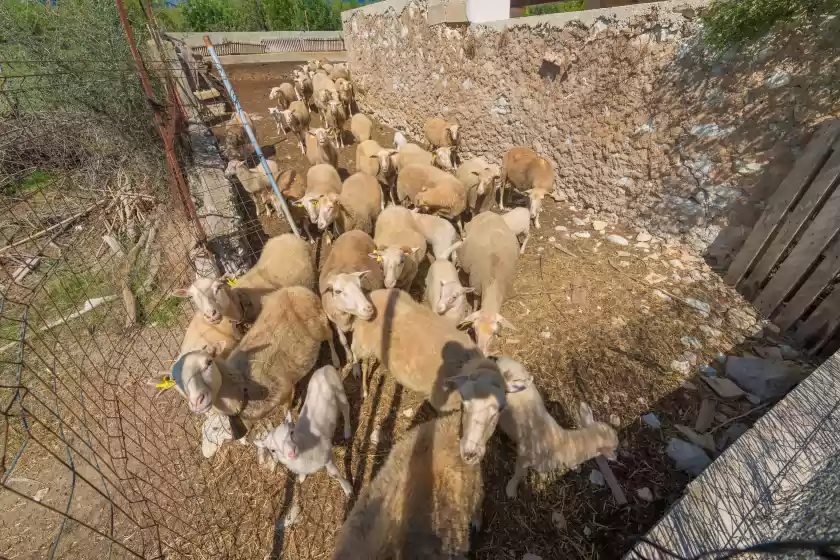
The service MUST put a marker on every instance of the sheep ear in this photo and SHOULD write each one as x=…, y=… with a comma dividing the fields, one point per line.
x=216, y=348
x=467, y=290
x=181, y=292
x=504, y=322
x=361, y=274
x=159, y=380
x=288, y=419
x=415, y=250
x=468, y=320
x=587, y=418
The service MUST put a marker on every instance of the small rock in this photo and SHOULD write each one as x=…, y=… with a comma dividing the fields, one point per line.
x=596, y=478
x=552, y=239
x=710, y=331
x=644, y=237
x=687, y=456
x=681, y=366
x=587, y=531
x=739, y=319
x=763, y=378
x=676, y=263
x=561, y=228
x=688, y=385
x=661, y=295
x=643, y=245
x=581, y=235
x=618, y=322
x=559, y=520
x=578, y=222
x=769, y=352
x=654, y=278
x=599, y=225
x=615, y=420
x=374, y=435
x=624, y=264
x=409, y=413
x=736, y=430
x=617, y=239
x=725, y=388
x=701, y=306
x=708, y=370
x=623, y=254
x=705, y=416
x=788, y=352
x=39, y=495
x=690, y=357
x=651, y=420
x=777, y=79
x=704, y=441
x=695, y=275
x=691, y=342
x=645, y=494
x=545, y=334
x=753, y=399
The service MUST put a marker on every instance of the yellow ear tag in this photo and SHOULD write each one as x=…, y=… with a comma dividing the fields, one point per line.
x=314, y=203
x=167, y=383
x=434, y=156
x=231, y=282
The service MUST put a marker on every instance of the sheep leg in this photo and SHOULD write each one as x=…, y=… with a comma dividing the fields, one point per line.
x=301, y=478
x=333, y=353
x=344, y=405
x=333, y=471
x=524, y=243
x=518, y=475
x=365, y=375
x=342, y=338
x=502, y=196
x=394, y=194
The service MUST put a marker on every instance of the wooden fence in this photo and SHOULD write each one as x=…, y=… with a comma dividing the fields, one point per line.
x=790, y=262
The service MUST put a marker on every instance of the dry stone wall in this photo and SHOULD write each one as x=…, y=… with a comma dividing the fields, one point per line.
x=643, y=122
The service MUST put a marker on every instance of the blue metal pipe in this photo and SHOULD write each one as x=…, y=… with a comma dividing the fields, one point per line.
x=251, y=136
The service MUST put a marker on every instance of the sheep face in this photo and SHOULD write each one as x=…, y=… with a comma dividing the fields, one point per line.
x=451, y=296
x=453, y=133
x=481, y=402
x=274, y=93
x=232, y=166
x=212, y=297
x=486, y=179
x=486, y=328
x=393, y=262
x=280, y=442
x=607, y=438
x=310, y=204
x=517, y=377
x=327, y=210
x=196, y=377
x=322, y=136
x=347, y=294
x=385, y=162
x=444, y=159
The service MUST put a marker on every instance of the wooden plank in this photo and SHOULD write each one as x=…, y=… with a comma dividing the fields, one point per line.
x=825, y=273
x=207, y=94
x=793, y=223
x=804, y=170
x=821, y=325
x=798, y=263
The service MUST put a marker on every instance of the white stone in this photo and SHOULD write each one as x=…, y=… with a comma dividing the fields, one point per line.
x=645, y=494
x=617, y=239
x=578, y=222
x=688, y=457
x=582, y=235
x=651, y=420
x=545, y=334
x=561, y=228
x=599, y=225
x=681, y=366
x=374, y=434
x=596, y=477
x=644, y=237
x=615, y=420
x=676, y=263
x=643, y=245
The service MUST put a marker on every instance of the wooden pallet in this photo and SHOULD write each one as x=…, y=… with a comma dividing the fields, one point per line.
x=788, y=264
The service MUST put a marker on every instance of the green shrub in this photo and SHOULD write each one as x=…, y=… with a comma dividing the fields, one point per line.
x=734, y=22
x=555, y=8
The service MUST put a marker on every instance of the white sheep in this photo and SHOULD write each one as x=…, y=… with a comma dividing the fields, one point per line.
x=346, y=95
x=519, y=222
x=441, y=133
x=324, y=90
x=439, y=233
x=348, y=274
x=335, y=119
x=306, y=447
x=283, y=95
x=339, y=71
x=320, y=149
x=488, y=253
x=400, y=246
x=541, y=444
x=303, y=87
x=256, y=182
x=297, y=118
x=444, y=292
x=416, y=177
x=321, y=179
x=356, y=207
x=236, y=139
x=400, y=140
x=418, y=347
x=409, y=154
x=361, y=127
x=529, y=173
x=426, y=499
x=285, y=261
x=261, y=372
x=479, y=178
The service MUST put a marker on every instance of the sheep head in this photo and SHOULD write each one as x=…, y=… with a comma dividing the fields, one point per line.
x=289, y=118
x=196, y=376
x=345, y=291
x=452, y=131
x=275, y=93
x=482, y=398
x=393, y=259
x=486, y=178
x=517, y=377
x=322, y=136
x=213, y=298
x=444, y=158
x=386, y=161
x=606, y=438
x=232, y=166
x=309, y=203
x=280, y=441
x=451, y=295
x=327, y=210
x=486, y=327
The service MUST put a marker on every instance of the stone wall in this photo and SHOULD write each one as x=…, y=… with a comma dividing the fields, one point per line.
x=642, y=121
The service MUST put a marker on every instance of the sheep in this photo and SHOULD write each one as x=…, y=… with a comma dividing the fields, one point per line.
x=285, y=261
x=400, y=140
x=415, y=177
x=346, y=95
x=256, y=182
x=444, y=292
x=529, y=173
x=479, y=179
x=519, y=222
x=202, y=333
x=293, y=190
x=441, y=133
x=339, y=72
x=447, y=199
x=279, y=120
x=324, y=90
x=236, y=139
x=297, y=118
x=283, y=95
x=303, y=87
x=261, y=372
x=439, y=233
x=348, y=273
x=400, y=246
x=361, y=127
x=488, y=254
x=418, y=347
x=321, y=179
x=409, y=154
x=357, y=207
x=426, y=499
x=335, y=119
x=372, y=159
x=320, y=149
x=541, y=444
x=306, y=447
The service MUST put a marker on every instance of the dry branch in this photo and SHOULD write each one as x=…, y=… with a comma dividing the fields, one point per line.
x=43, y=232
x=112, y=242
x=125, y=280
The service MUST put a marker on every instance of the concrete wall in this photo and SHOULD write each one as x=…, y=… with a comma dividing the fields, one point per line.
x=642, y=121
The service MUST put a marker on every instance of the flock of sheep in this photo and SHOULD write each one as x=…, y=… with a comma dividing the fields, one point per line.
x=254, y=339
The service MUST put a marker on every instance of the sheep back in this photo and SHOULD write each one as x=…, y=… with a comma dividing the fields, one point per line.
x=415, y=177
x=301, y=112
x=361, y=127
x=418, y=347
x=527, y=170
x=396, y=226
x=351, y=253
x=200, y=333
x=361, y=202
x=412, y=153
x=322, y=179
x=435, y=131
x=421, y=502
x=286, y=261
x=317, y=154
x=367, y=157
x=446, y=197
x=489, y=253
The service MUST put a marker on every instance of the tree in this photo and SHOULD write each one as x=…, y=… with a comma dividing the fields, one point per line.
x=210, y=15
x=301, y=15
